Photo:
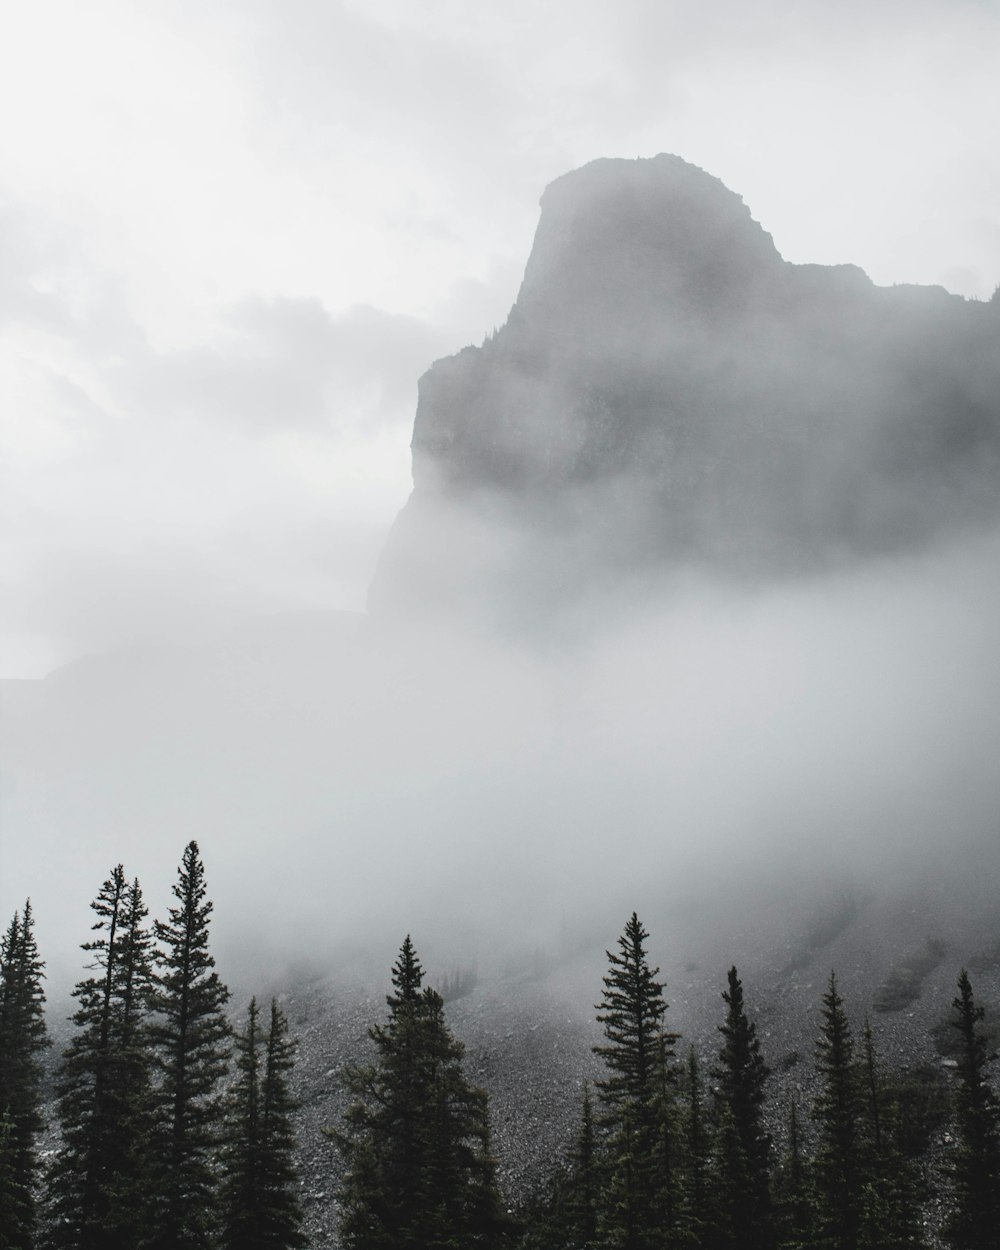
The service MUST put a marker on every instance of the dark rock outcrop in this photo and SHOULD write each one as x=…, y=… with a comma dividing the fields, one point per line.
x=668, y=390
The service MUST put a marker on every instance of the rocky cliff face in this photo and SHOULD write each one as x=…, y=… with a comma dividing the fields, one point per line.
x=667, y=390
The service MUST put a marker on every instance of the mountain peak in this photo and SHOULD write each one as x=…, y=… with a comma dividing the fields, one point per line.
x=669, y=391
x=617, y=233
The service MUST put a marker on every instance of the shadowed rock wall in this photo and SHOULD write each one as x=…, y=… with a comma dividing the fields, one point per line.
x=668, y=391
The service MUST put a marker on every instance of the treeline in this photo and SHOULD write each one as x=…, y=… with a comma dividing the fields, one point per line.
x=671, y=1153
x=177, y=1131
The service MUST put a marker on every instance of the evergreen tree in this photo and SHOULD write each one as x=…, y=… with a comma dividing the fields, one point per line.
x=543, y=1220
x=697, y=1152
x=871, y=1087
x=282, y=1215
x=582, y=1184
x=668, y=1159
x=420, y=1174
x=890, y=1192
x=796, y=1206
x=190, y=1036
x=976, y=1219
x=260, y=1209
x=632, y=1096
x=741, y=1075
x=14, y=1194
x=22, y=1041
x=729, y=1183
x=95, y=1189
x=837, y=1113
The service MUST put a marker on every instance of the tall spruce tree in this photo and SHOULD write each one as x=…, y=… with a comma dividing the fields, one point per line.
x=871, y=1087
x=890, y=1194
x=741, y=1075
x=190, y=1036
x=636, y=1055
x=581, y=1188
x=96, y=1184
x=975, y=1224
x=696, y=1153
x=260, y=1208
x=837, y=1114
x=12, y=1191
x=22, y=1041
x=795, y=1205
x=729, y=1183
x=668, y=1159
x=420, y=1173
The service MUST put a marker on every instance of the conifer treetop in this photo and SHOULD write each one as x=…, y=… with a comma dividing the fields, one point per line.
x=835, y=1045
x=416, y=1141
x=741, y=1068
x=22, y=996
x=631, y=1010
x=407, y=975
x=22, y=1039
x=187, y=926
x=189, y=1033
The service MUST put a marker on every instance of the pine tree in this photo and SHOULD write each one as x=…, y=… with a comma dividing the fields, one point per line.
x=190, y=1036
x=729, y=1183
x=95, y=1189
x=22, y=1041
x=741, y=1075
x=420, y=1173
x=697, y=1151
x=281, y=1215
x=837, y=1113
x=871, y=1087
x=14, y=1194
x=890, y=1192
x=796, y=1205
x=976, y=1218
x=580, y=1190
x=632, y=1096
x=668, y=1157
x=260, y=1209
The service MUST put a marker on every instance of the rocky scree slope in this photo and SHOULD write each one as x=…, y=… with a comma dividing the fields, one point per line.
x=529, y=1030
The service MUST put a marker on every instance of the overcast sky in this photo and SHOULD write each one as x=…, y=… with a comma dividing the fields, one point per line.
x=233, y=235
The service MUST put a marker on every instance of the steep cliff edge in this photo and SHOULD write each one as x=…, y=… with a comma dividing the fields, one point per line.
x=668, y=390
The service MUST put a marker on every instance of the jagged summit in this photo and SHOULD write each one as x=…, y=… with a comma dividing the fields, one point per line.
x=667, y=389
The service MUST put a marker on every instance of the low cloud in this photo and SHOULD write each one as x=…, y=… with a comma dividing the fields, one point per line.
x=288, y=364
x=158, y=491
x=349, y=783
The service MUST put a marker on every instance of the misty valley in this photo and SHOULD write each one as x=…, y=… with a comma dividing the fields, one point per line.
x=626, y=876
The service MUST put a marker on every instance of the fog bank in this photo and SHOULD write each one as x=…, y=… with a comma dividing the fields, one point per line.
x=723, y=754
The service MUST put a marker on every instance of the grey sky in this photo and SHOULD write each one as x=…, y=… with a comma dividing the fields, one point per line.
x=233, y=235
